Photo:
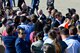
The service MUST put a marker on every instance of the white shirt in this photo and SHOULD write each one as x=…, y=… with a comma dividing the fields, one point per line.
x=73, y=46
x=45, y=36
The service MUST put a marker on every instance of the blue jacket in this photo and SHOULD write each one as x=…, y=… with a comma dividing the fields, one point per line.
x=9, y=42
x=75, y=37
x=21, y=46
x=28, y=28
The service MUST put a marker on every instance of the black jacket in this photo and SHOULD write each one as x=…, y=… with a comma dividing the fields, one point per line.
x=55, y=24
x=20, y=2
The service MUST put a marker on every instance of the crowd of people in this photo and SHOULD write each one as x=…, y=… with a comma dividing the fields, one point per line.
x=26, y=31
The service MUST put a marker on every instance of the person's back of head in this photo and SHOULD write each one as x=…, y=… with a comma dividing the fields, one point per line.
x=23, y=19
x=58, y=37
x=68, y=15
x=40, y=35
x=73, y=10
x=9, y=30
x=75, y=17
x=72, y=30
x=34, y=18
x=64, y=32
x=48, y=48
x=17, y=19
x=52, y=34
x=38, y=26
x=48, y=21
x=46, y=29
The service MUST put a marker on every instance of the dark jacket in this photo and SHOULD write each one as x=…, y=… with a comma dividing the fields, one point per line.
x=34, y=2
x=63, y=46
x=9, y=42
x=20, y=2
x=50, y=3
x=75, y=37
x=55, y=24
x=43, y=17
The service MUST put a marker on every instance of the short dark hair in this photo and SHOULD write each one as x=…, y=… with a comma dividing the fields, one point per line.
x=23, y=18
x=9, y=29
x=52, y=34
x=60, y=28
x=46, y=28
x=40, y=35
x=64, y=31
x=49, y=48
x=34, y=18
x=38, y=26
x=48, y=20
x=73, y=30
x=73, y=10
x=76, y=17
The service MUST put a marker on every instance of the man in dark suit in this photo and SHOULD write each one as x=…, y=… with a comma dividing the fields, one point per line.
x=50, y=3
x=20, y=2
x=58, y=19
x=34, y=4
x=41, y=15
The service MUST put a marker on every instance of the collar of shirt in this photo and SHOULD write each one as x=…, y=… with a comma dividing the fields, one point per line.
x=65, y=39
x=58, y=21
x=45, y=34
x=22, y=23
x=40, y=15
